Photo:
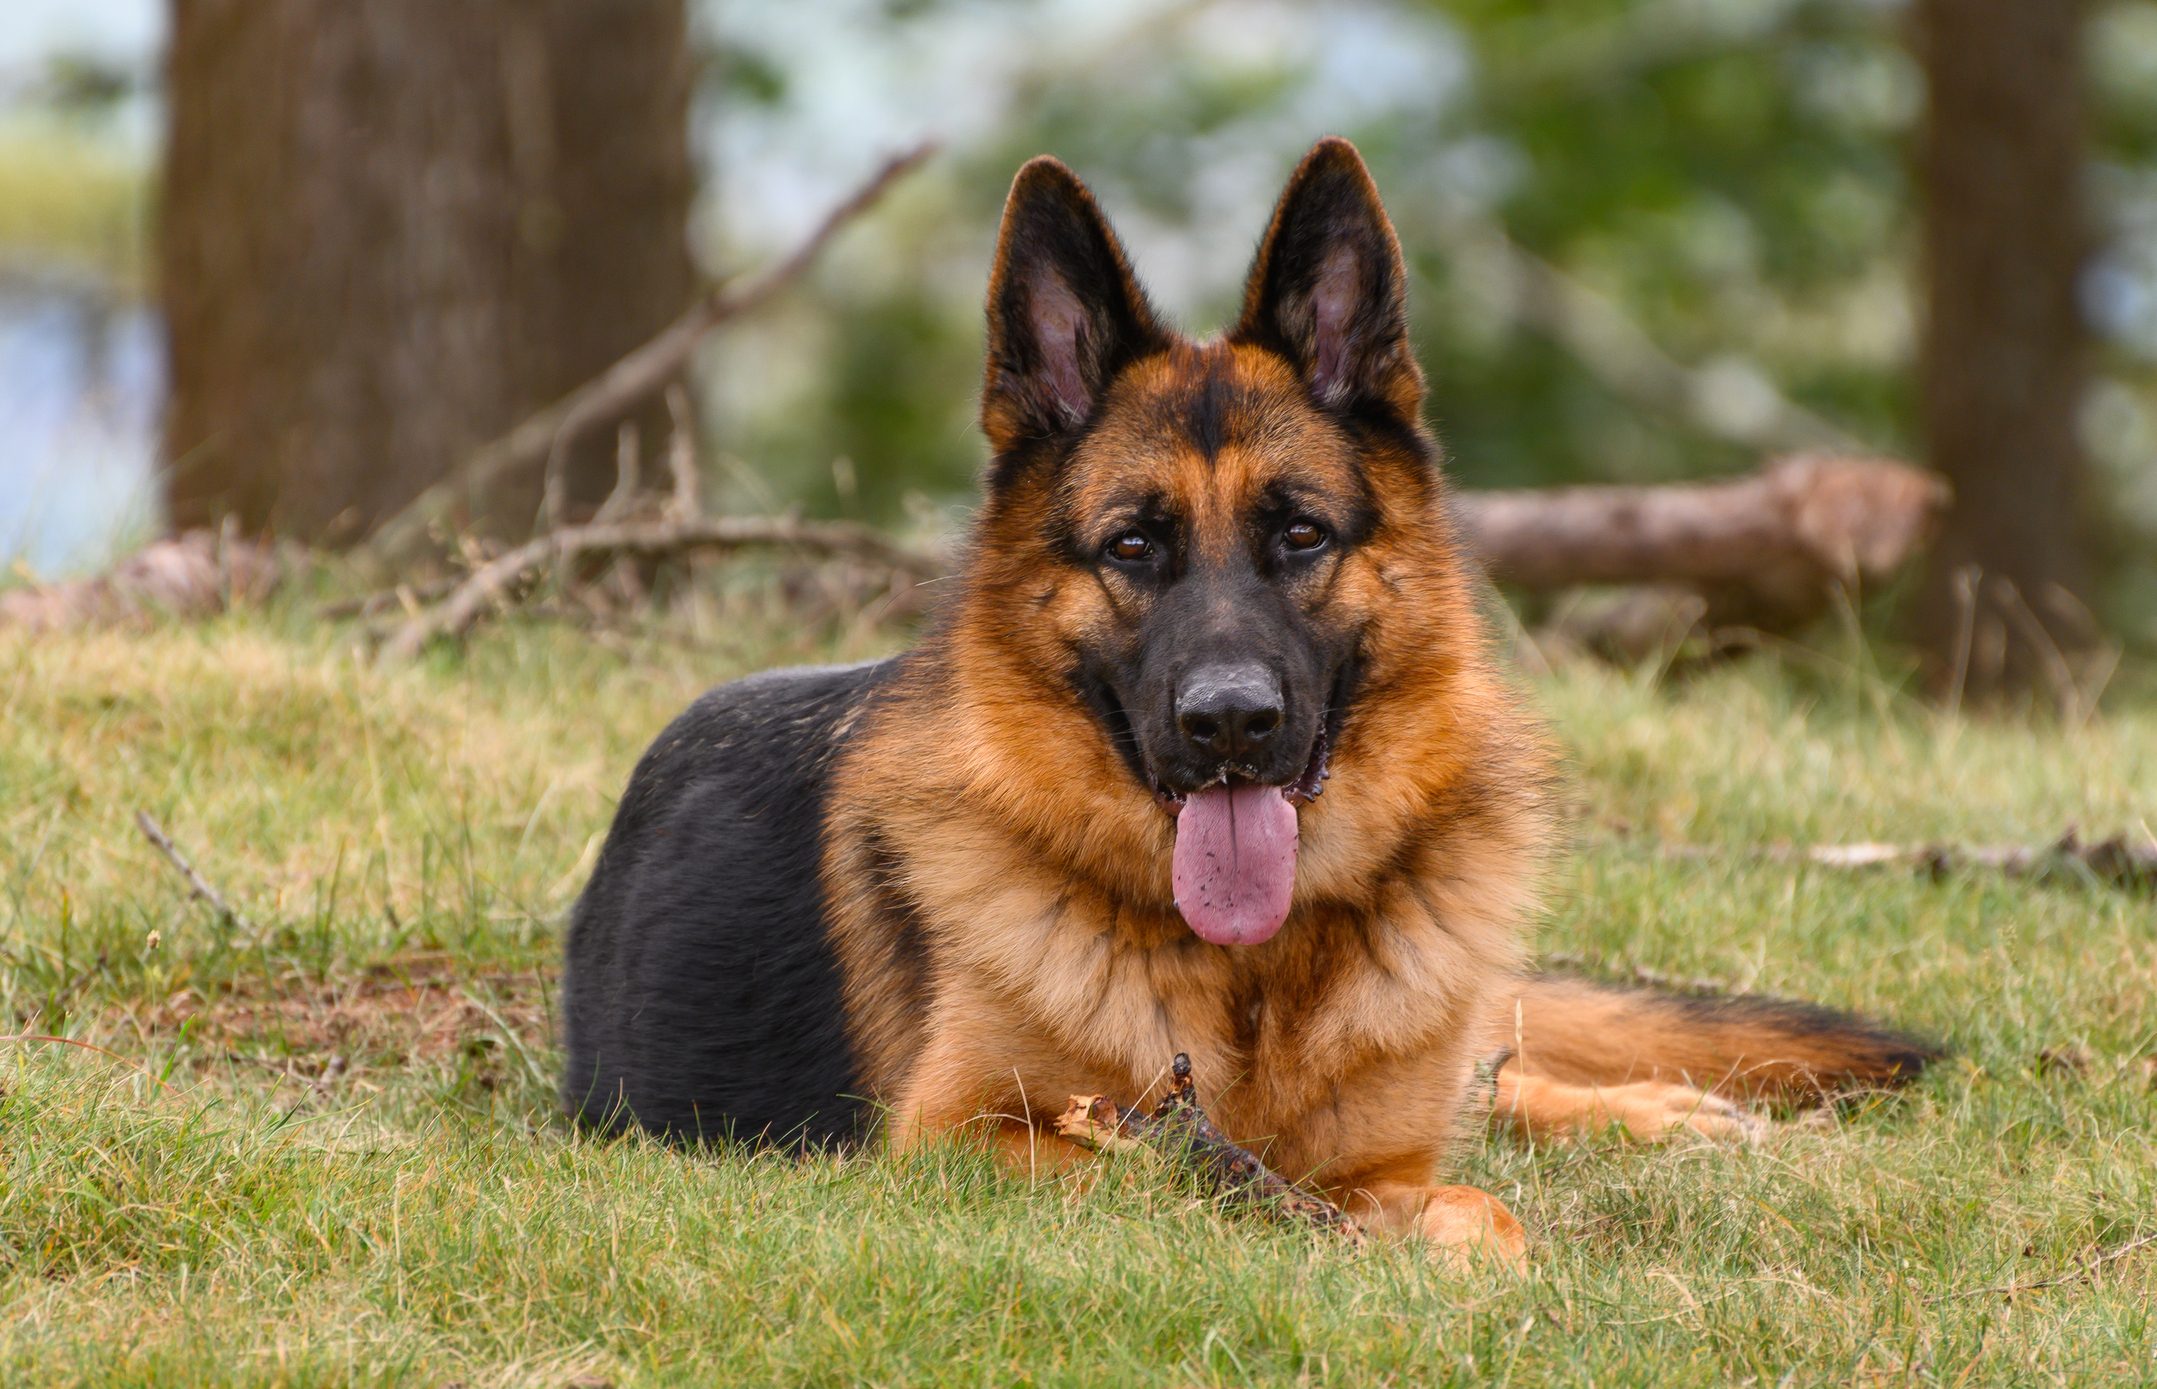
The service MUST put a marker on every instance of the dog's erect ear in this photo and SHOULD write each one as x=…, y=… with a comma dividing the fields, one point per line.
x=1328, y=290
x=1065, y=313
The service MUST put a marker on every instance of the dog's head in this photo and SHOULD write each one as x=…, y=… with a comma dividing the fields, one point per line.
x=1217, y=548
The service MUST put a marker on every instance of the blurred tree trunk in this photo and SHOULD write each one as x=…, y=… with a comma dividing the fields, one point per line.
x=2002, y=166
x=391, y=229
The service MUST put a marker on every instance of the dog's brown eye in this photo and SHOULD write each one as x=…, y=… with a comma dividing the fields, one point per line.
x=1303, y=535
x=1131, y=547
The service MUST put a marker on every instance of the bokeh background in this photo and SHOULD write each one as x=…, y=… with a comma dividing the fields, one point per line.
x=1650, y=239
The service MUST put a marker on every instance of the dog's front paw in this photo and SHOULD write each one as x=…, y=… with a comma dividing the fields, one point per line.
x=1468, y=1227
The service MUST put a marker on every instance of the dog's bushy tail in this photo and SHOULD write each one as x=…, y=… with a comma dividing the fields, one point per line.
x=1745, y=1046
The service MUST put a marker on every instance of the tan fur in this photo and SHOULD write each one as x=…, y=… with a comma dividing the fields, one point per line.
x=1039, y=868
x=1583, y=1034
x=1552, y=1110
x=1001, y=904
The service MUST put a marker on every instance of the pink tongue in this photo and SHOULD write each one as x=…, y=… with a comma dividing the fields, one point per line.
x=1235, y=863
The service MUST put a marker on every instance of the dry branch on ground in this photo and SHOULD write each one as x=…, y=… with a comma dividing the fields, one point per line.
x=1771, y=549
x=678, y=530
x=1179, y=1130
x=2125, y=861
x=499, y=583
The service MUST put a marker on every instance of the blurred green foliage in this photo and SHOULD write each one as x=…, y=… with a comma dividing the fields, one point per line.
x=1725, y=181
x=1730, y=176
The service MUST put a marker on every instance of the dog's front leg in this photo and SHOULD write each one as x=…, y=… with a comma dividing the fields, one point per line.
x=973, y=1082
x=1460, y=1223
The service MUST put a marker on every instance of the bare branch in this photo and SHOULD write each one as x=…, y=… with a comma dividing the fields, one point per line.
x=1179, y=1130
x=498, y=581
x=47, y=1039
x=1732, y=400
x=628, y=473
x=688, y=496
x=633, y=378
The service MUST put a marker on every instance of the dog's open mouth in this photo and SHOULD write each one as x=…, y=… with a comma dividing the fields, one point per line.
x=1234, y=870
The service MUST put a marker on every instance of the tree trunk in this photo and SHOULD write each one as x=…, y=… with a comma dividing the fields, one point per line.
x=2002, y=165
x=391, y=229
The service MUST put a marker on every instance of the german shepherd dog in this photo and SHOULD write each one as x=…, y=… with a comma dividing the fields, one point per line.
x=1206, y=752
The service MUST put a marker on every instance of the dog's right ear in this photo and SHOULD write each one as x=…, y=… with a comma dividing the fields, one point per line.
x=1065, y=312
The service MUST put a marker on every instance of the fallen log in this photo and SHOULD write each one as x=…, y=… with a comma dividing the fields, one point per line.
x=1769, y=550
x=2126, y=862
x=1180, y=1131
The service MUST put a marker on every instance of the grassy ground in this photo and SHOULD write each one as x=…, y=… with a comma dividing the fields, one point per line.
x=325, y=1152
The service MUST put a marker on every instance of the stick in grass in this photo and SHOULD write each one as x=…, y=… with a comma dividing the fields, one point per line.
x=2124, y=861
x=198, y=887
x=2084, y=1268
x=1179, y=1129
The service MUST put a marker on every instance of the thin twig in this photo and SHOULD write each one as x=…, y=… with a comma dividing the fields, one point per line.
x=50, y=1040
x=554, y=488
x=1180, y=1130
x=382, y=600
x=2059, y=675
x=643, y=372
x=320, y=1085
x=498, y=580
x=198, y=887
x=628, y=473
x=1965, y=589
x=687, y=500
x=2074, y=1275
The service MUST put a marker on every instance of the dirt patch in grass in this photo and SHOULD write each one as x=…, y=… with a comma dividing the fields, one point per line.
x=413, y=1012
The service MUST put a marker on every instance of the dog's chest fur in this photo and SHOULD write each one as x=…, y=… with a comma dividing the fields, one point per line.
x=1069, y=992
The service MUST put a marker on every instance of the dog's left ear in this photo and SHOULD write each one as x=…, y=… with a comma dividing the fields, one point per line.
x=1328, y=290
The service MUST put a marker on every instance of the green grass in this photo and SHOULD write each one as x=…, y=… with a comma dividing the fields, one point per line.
x=194, y=1207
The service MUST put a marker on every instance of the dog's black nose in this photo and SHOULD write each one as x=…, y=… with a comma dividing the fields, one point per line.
x=1229, y=710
